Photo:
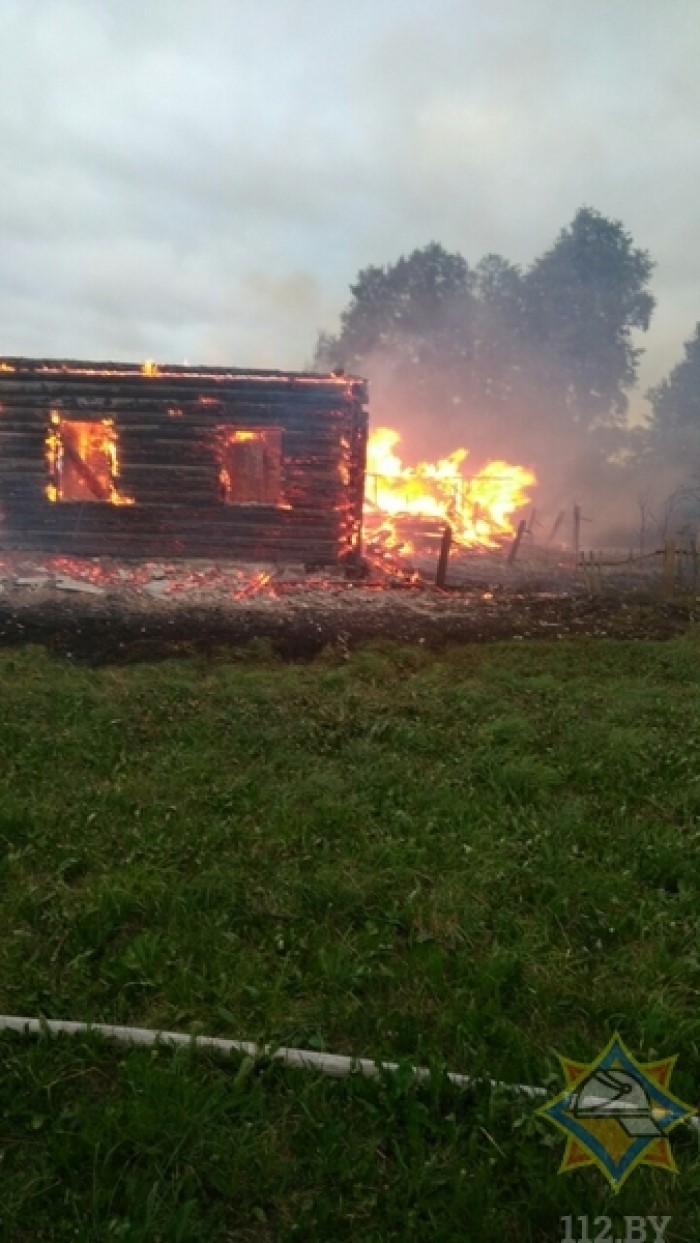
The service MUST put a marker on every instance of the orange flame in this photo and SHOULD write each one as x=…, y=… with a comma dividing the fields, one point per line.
x=95, y=445
x=479, y=508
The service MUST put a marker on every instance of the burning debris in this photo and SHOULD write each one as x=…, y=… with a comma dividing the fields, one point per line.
x=408, y=507
x=124, y=582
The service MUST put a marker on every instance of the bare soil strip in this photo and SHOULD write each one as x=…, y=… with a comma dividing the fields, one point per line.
x=115, y=627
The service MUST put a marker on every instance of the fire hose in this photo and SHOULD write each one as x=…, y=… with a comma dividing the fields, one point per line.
x=335, y=1065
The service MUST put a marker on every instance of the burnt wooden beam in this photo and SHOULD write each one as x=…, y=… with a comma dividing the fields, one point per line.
x=445, y=545
x=88, y=476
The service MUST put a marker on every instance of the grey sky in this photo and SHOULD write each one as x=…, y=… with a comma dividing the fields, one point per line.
x=202, y=179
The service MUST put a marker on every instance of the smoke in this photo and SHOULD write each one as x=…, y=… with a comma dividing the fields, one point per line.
x=627, y=496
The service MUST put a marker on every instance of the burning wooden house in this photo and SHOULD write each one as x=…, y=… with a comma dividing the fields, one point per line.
x=121, y=460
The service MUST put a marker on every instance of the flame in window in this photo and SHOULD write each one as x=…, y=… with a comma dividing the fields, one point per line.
x=83, y=463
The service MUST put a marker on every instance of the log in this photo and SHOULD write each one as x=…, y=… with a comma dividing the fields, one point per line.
x=75, y=369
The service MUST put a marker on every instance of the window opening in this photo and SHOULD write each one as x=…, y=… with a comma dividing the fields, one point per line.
x=250, y=465
x=83, y=461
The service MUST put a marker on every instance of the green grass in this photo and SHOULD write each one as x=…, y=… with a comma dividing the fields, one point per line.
x=467, y=860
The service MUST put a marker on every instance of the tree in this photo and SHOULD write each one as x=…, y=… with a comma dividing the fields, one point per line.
x=404, y=307
x=585, y=298
x=511, y=363
x=438, y=340
x=675, y=403
x=410, y=329
x=499, y=354
x=670, y=451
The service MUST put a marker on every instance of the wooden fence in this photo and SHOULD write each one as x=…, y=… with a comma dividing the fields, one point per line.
x=679, y=568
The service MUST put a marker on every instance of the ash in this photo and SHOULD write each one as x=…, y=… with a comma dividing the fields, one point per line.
x=101, y=610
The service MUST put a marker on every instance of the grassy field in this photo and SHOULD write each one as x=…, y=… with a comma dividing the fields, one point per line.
x=467, y=860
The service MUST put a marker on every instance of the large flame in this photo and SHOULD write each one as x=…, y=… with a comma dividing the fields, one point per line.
x=479, y=508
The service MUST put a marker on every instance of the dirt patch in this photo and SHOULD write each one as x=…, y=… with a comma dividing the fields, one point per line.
x=121, y=628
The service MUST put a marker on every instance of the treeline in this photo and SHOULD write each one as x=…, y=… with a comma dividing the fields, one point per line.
x=535, y=365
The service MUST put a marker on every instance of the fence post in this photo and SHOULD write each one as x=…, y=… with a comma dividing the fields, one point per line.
x=577, y=531
x=592, y=573
x=556, y=525
x=668, y=582
x=516, y=542
x=444, y=554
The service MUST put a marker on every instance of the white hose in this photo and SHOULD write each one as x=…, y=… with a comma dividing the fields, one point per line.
x=333, y=1064
x=336, y=1065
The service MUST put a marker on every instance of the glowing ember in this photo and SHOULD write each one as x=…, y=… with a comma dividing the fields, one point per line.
x=258, y=583
x=479, y=508
x=149, y=580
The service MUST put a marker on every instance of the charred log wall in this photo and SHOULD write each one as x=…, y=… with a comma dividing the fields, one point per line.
x=168, y=428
